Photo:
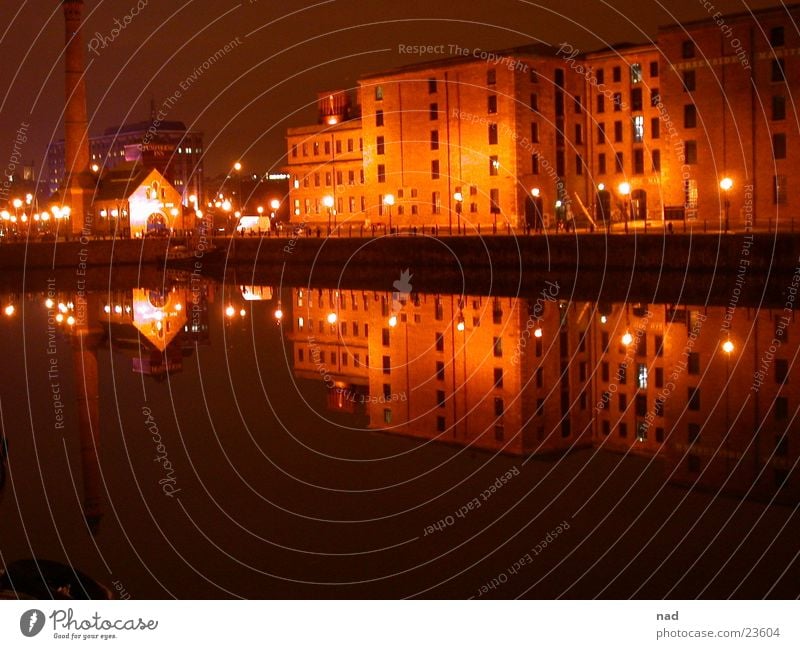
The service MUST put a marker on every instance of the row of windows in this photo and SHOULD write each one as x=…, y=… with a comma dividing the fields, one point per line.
x=635, y=71
x=318, y=356
x=314, y=147
x=777, y=38
x=328, y=177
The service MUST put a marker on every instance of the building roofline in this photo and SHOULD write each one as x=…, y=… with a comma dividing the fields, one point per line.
x=541, y=50
x=783, y=9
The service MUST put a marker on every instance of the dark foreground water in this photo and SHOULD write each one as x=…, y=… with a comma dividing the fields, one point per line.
x=197, y=440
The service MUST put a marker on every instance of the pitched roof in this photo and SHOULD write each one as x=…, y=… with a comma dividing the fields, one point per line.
x=121, y=181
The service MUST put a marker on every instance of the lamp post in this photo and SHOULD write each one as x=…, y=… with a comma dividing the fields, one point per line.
x=237, y=167
x=625, y=191
x=538, y=217
x=388, y=200
x=726, y=184
x=327, y=201
x=728, y=347
x=458, y=197
x=274, y=205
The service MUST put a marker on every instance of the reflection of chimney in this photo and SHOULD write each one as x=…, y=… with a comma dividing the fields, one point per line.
x=85, y=341
x=78, y=181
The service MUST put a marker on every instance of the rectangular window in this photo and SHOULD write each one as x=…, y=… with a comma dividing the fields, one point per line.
x=638, y=161
x=534, y=102
x=617, y=131
x=378, y=118
x=432, y=86
x=492, y=104
x=779, y=108
x=433, y=112
x=693, y=398
x=535, y=132
x=694, y=363
x=381, y=173
x=688, y=50
x=655, y=97
x=560, y=163
x=436, y=202
x=689, y=81
x=779, y=190
x=689, y=116
x=387, y=365
x=778, y=75
x=617, y=102
x=577, y=103
x=492, y=133
x=641, y=405
x=494, y=200
x=434, y=170
x=636, y=73
x=781, y=371
x=641, y=376
x=378, y=93
x=638, y=129
x=498, y=377
x=776, y=37
x=659, y=377
x=616, y=74
x=781, y=409
x=601, y=103
x=693, y=433
x=380, y=147
x=690, y=152
x=578, y=164
x=439, y=342
x=619, y=162
x=385, y=337
x=779, y=146
x=441, y=399
x=497, y=347
x=578, y=133
x=535, y=164
x=601, y=133
x=656, y=155
x=494, y=165
x=636, y=99
x=491, y=77
x=499, y=407
x=655, y=128
x=654, y=69
x=434, y=140
x=601, y=164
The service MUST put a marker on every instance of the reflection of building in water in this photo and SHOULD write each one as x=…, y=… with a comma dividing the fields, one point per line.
x=330, y=333
x=156, y=328
x=543, y=375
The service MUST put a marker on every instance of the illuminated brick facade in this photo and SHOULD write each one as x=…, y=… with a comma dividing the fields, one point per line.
x=630, y=134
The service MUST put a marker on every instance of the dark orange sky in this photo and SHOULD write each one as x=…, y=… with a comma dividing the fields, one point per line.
x=284, y=54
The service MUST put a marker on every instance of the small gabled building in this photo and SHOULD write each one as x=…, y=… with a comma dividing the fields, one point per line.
x=134, y=201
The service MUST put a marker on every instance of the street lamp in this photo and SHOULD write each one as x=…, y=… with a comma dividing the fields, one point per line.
x=627, y=338
x=625, y=191
x=726, y=184
x=459, y=199
x=388, y=200
x=327, y=201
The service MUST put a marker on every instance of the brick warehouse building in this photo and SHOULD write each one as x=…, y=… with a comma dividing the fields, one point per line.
x=628, y=134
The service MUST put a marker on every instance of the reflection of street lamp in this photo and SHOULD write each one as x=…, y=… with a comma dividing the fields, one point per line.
x=388, y=200
x=624, y=191
x=327, y=201
x=627, y=338
x=726, y=184
x=459, y=199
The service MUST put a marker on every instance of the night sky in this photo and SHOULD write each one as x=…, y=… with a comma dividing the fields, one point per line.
x=284, y=54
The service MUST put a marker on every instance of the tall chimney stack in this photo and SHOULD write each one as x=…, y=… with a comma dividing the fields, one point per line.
x=78, y=181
